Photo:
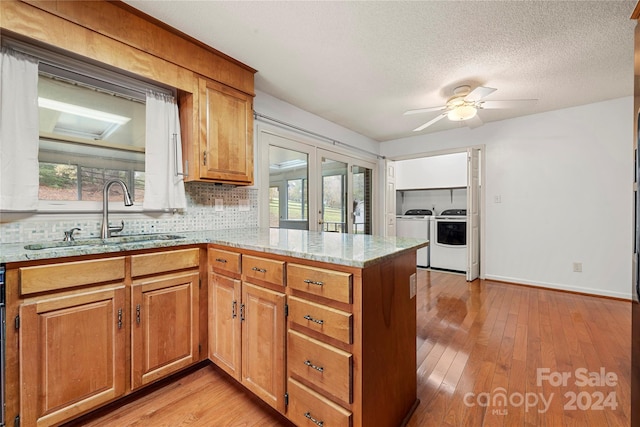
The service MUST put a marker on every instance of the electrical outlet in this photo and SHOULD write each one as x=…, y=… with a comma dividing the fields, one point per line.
x=577, y=267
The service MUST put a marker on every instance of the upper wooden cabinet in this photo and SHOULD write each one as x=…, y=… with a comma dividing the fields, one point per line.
x=215, y=92
x=223, y=148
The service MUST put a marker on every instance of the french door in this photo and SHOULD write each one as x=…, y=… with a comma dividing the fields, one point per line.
x=314, y=189
x=346, y=194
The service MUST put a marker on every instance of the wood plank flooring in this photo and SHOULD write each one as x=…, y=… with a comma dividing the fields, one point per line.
x=478, y=344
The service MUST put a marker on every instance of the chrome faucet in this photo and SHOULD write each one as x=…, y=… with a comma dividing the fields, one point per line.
x=106, y=230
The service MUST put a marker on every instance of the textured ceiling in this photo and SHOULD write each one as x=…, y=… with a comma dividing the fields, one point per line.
x=361, y=64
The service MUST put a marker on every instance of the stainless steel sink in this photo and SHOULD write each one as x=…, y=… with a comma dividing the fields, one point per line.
x=119, y=240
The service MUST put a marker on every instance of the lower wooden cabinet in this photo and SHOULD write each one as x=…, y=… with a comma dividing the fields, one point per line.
x=263, y=328
x=74, y=330
x=247, y=335
x=72, y=354
x=165, y=333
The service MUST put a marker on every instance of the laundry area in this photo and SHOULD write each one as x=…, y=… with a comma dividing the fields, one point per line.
x=431, y=203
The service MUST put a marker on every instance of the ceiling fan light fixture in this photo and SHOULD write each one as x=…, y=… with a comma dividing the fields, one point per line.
x=462, y=112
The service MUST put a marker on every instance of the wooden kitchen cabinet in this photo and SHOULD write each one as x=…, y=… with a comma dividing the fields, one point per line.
x=247, y=322
x=164, y=314
x=72, y=353
x=263, y=350
x=165, y=333
x=224, y=149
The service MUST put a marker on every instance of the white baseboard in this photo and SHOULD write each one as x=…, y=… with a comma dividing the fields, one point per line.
x=561, y=287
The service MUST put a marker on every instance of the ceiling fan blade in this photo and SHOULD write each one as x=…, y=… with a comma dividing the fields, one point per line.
x=479, y=93
x=508, y=103
x=430, y=122
x=424, y=110
x=474, y=122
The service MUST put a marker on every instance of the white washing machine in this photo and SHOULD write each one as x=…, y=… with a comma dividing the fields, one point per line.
x=449, y=240
x=416, y=223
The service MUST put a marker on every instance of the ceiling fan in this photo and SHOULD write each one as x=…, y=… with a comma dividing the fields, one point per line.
x=464, y=106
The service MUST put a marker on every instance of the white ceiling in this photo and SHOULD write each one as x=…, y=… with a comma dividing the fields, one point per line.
x=361, y=64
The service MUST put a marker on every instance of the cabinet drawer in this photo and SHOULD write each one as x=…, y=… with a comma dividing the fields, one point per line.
x=160, y=262
x=268, y=270
x=320, y=364
x=320, y=318
x=330, y=284
x=224, y=260
x=44, y=278
x=309, y=409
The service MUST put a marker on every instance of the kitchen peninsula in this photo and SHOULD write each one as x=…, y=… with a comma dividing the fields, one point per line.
x=321, y=326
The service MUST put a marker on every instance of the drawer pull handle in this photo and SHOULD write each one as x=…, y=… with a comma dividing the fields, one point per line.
x=311, y=365
x=259, y=270
x=318, y=321
x=313, y=282
x=317, y=422
x=222, y=260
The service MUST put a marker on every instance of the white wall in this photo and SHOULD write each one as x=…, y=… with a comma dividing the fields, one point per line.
x=436, y=200
x=565, y=182
x=278, y=109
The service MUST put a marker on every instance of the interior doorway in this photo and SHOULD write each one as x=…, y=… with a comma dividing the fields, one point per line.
x=440, y=192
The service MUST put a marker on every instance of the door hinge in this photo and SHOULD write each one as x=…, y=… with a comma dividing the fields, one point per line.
x=17, y=322
x=286, y=399
x=199, y=349
x=200, y=283
x=16, y=421
x=286, y=310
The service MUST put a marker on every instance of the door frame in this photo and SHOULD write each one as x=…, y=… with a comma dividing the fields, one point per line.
x=390, y=200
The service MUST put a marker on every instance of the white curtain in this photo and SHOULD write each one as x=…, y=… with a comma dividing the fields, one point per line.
x=19, y=132
x=164, y=184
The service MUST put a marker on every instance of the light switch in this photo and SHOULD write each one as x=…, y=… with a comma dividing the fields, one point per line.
x=219, y=205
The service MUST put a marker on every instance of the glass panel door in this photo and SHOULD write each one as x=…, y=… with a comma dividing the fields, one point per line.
x=333, y=208
x=362, y=179
x=288, y=188
x=346, y=204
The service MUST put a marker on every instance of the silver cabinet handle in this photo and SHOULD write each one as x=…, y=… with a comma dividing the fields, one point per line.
x=316, y=422
x=318, y=321
x=222, y=260
x=311, y=365
x=259, y=270
x=313, y=282
x=119, y=318
x=233, y=309
x=241, y=311
x=138, y=314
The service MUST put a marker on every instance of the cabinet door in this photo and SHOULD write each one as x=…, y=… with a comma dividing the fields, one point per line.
x=72, y=355
x=164, y=315
x=226, y=140
x=224, y=323
x=263, y=332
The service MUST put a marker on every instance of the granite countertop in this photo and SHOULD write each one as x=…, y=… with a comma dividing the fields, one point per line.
x=345, y=249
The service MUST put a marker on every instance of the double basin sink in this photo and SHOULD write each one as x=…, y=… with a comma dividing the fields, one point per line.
x=119, y=240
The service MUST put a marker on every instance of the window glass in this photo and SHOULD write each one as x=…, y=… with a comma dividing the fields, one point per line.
x=88, y=135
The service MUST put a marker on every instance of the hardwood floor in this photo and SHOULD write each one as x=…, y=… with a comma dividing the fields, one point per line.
x=478, y=344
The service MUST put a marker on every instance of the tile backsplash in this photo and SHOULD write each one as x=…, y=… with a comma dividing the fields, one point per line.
x=199, y=215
